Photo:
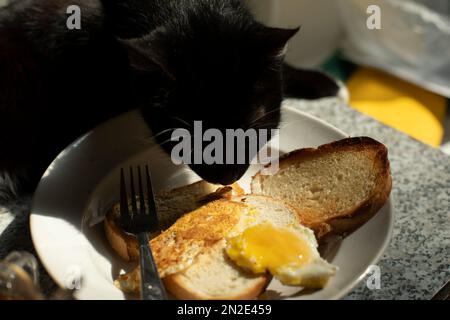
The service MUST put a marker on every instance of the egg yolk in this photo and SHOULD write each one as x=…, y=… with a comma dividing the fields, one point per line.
x=266, y=247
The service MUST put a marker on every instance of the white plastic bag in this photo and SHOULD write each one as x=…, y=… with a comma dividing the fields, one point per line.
x=413, y=42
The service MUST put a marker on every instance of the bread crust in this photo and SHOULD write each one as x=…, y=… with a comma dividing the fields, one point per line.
x=353, y=218
x=350, y=144
x=175, y=284
x=356, y=217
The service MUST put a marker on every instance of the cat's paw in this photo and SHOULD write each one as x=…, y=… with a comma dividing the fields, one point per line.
x=311, y=84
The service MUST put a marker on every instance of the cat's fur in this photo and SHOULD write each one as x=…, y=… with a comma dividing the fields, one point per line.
x=176, y=60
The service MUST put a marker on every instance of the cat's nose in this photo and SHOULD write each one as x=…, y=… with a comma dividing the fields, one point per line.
x=220, y=174
x=227, y=178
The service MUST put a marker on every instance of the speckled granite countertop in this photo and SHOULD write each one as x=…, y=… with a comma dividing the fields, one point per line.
x=417, y=261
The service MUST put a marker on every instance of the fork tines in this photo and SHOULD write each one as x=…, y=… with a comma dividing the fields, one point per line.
x=134, y=218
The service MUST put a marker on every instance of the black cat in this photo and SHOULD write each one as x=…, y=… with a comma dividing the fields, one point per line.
x=176, y=60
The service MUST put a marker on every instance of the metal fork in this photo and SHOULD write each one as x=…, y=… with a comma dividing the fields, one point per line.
x=141, y=221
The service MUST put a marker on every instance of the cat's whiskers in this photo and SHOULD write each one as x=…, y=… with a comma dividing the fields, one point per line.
x=159, y=144
x=162, y=132
x=145, y=140
x=182, y=121
x=254, y=121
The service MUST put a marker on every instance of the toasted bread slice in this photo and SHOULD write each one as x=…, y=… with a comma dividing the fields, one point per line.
x=334, y=188
x=190, y=256
x=170, y=205
x=212, y=275
x=191, y=259
x=215, y=277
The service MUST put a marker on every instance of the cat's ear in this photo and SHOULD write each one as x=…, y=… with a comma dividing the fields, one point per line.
x=147, y=54
x=275, y=39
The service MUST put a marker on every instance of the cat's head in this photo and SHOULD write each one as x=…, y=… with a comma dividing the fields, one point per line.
x=222, y=70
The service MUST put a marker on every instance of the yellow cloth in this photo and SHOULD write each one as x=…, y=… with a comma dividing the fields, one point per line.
x=398, y=104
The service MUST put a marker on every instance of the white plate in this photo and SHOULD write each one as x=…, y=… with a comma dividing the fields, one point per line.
x=83, y=181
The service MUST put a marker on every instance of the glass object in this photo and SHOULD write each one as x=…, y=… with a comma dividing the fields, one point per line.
x=19, y=277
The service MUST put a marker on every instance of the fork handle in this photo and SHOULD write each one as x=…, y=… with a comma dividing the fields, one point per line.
x=152, y=287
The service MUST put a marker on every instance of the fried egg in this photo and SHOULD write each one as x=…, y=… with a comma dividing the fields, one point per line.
x=289, y=253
